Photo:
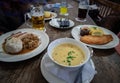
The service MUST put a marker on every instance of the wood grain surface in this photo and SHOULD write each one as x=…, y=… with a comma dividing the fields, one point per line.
x=107, y=62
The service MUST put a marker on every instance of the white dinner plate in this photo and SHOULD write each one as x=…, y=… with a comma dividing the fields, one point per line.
x=76, y=35
x=14, y=58
x=53, y=16
x=55, y=24
x=51, y=78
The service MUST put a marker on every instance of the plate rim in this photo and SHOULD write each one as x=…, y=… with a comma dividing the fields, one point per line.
x=98, y=46
x=55, y=15
x=22, y=57
x=61, y=81
x=72, y=22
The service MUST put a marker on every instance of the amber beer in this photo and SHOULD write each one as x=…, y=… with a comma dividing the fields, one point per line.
x=82, y=12
x=38, y=22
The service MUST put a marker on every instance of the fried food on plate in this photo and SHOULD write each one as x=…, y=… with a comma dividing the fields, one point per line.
x=99, y=40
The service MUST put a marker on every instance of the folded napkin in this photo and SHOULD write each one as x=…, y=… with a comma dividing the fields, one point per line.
x=93, y=7
x=60, y=23
x=55, y=22
x=56, y=5
x=69, y=75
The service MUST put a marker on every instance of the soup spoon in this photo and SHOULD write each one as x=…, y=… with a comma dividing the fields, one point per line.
x=91, y=51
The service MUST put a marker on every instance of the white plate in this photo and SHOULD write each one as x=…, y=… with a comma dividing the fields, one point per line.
x=53, y=16
x=51, y=78
x=14, y=58
x=54, y=23
x=76, y=34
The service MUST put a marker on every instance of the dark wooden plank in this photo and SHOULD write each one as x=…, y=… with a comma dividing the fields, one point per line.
x=106, y=62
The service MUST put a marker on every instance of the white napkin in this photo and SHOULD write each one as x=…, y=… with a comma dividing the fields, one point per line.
x=92, y=7
x=57, y=5
x=54, y=22
x=68, y=75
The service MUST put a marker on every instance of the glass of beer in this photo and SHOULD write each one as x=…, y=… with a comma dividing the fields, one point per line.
x=36, y=16
x=83, y=10
x=63, y=8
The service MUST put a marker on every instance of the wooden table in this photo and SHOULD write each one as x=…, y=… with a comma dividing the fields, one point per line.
x=107, y=62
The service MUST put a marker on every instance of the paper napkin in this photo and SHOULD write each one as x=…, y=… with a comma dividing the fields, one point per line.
x=69, y=75
x=55, y=23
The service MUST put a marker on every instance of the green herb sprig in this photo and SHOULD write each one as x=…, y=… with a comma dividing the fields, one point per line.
x=95, y=27
x=70, y=57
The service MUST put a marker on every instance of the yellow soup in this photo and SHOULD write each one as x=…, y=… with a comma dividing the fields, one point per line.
x=68, y=54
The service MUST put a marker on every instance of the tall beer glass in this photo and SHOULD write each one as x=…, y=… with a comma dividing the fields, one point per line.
x=83, y=9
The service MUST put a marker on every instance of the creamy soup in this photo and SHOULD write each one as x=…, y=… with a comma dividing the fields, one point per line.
x=68, y=54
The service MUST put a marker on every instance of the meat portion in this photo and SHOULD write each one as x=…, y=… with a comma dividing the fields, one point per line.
x=18, y=34
x=99, y=40
x=30, y=41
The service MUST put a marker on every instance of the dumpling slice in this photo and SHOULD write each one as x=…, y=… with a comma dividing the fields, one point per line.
x=13, y=45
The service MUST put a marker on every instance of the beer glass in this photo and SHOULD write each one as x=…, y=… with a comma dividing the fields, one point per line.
x=83, y=10
x=36, y=15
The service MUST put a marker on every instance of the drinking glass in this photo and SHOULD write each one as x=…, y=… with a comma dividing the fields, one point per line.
x=63, y=7
x=36, y=15
x=83, y=10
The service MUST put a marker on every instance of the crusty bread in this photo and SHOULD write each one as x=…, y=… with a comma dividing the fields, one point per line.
x=47, y=14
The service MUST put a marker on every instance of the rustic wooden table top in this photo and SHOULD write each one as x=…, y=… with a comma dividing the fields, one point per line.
x=107, y=62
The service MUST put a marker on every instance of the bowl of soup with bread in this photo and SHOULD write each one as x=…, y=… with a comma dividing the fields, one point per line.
x=68, y=52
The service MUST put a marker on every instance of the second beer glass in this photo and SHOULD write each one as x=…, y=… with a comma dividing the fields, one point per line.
x=83, y=10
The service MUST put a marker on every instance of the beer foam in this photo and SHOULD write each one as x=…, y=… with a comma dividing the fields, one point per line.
x=37, y=14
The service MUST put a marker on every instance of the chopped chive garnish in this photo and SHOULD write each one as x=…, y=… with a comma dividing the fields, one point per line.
x=70, y=57
x=95, y=27
x=64, y=61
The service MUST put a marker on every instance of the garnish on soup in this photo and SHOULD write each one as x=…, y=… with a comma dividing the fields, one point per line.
x=70, y=57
